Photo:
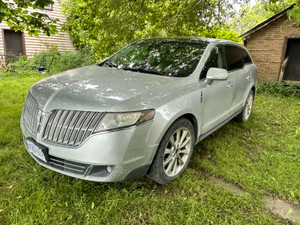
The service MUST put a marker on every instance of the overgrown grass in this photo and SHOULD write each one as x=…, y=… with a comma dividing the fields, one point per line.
x=279, y=89
x=52, y=60
x=261, y=156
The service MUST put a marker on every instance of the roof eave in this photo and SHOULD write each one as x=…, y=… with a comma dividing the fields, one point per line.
x=266, y=22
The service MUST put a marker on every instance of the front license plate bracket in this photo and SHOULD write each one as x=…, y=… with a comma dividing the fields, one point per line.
x=38, y=150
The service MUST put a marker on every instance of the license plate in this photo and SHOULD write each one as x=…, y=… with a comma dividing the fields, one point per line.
x=35, y=150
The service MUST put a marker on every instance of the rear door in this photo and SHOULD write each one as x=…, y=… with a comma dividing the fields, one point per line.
x=240, y=73
x=217, y=96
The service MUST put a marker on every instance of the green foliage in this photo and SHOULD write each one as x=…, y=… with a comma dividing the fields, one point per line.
x=109, y=25
x=275, y=6
x=250, y=16
x=278, y=89
x=15, y=13
x=60, y=61
x=294, y=13
x=261, y=156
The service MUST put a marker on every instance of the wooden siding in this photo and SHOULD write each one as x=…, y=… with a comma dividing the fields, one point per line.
x=33, y=44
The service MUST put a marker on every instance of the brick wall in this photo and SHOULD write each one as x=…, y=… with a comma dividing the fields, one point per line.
x=266, y=46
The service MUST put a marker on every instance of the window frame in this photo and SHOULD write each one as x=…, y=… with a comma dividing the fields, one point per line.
x=222, y=51
x=49, y=7
x=248, y=55
x=242, y=58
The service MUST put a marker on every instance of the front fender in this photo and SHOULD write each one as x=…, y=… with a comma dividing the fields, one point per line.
x=168, y=113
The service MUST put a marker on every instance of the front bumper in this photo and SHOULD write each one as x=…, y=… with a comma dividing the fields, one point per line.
x=103, y=157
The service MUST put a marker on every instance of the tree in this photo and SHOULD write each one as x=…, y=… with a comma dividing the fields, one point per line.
x=277, y=5
x=108, y=25
x=249, y=16
x=17, y=16
x=295, y=13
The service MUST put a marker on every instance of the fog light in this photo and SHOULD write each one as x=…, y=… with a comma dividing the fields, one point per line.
x=108, y=169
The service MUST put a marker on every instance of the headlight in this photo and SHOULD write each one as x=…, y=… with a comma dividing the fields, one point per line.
x=113, y=121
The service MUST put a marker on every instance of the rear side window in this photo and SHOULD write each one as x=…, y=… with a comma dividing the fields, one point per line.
x=215, y=60
x=233, y=57
x=245, y=56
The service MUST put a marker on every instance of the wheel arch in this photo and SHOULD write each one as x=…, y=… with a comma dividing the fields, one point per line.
x=189, y=116
x=254, y=91
x=192, y=119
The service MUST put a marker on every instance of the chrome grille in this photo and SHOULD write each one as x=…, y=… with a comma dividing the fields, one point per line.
x=69, y=127
x=30, y=113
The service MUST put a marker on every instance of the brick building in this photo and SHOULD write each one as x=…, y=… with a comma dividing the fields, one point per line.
x=275, y=48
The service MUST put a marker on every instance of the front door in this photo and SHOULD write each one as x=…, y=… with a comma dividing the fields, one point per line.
x=13, y=43
x=217, y=96
x=292, y=70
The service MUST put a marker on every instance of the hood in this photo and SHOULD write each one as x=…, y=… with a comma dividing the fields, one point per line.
x=93, y=88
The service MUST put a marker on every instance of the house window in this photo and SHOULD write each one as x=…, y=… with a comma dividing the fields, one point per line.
x=49, y=7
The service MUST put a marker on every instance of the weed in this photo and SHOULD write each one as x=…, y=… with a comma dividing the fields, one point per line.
x=53, y=61
x=278, y=89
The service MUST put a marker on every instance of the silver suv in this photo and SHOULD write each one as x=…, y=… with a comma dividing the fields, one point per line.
x=140, y=111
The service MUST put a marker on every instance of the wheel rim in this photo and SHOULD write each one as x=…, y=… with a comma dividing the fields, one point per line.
x=248, y=107
x=177, y=151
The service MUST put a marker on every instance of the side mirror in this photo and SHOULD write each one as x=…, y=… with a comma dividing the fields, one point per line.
x=217, y=74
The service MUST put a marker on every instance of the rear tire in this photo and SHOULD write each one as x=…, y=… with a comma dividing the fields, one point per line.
x=245, y=114
x=173, y=153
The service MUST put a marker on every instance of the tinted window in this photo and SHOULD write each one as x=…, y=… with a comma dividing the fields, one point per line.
x=215, y=60
x=163, y=57
x=245, y=56
x=233, y=57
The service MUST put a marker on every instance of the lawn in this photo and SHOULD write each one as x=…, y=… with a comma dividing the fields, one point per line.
x=262, y=157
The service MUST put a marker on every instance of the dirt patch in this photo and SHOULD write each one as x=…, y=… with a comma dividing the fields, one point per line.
x=234, y=189
x=284, y=209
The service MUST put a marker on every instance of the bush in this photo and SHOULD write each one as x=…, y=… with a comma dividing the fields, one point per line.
x=53, y=60
x=276, y=88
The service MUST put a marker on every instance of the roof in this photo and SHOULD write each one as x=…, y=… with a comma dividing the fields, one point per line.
x=200, y=40
x=183, y=39
x=190, y=40
x=266, y=22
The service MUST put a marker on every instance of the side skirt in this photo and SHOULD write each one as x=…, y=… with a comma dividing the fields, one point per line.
x=202, y=136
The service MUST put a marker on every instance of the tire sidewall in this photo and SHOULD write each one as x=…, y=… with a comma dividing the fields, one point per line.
x=159, y=157
x=245, y=107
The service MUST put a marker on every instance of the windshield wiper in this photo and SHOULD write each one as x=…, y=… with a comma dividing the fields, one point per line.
x=145, y=71
x=109, y=64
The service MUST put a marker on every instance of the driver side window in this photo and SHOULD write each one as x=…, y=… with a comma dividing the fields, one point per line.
x=215, y=60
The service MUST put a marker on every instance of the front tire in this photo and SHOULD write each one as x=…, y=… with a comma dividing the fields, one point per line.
x=245, y=114
x=174, y=152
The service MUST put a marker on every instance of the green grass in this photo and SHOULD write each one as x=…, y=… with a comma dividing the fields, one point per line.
x=261, y=156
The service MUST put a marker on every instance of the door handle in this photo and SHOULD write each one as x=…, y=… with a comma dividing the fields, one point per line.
x=229, y=85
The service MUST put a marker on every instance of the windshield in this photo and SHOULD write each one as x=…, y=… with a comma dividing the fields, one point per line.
x=162, y=57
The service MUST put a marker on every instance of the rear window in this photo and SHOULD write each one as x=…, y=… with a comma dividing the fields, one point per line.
x=245, y=56
x=233, y=57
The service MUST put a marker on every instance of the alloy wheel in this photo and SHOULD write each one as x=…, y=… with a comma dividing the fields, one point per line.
x=177, y=151
x=248, y=107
